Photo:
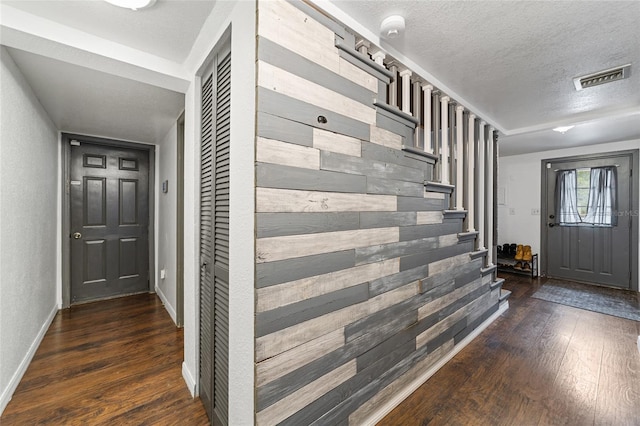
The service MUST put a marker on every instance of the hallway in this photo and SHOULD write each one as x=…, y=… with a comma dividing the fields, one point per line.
x=111, y=362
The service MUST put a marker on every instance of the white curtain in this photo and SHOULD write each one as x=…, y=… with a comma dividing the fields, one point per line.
x=567, y=197
x=602, y=197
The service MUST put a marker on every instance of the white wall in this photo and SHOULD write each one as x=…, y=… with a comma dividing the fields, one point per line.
x=166, y=170
x=241, y=16
x=29, y=218
x=520, y=177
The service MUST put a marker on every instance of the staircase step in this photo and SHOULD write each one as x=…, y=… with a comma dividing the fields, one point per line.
x=488, y=270
x=497, y=284
x=479, y=253
x=504, y=294
x=454, y=214
x=438, y=187
x=466, y=236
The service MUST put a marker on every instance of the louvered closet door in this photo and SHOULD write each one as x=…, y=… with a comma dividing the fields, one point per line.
x=214, y=236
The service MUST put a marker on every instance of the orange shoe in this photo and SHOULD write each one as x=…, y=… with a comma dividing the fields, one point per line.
x=526, y=254
x=519, y=252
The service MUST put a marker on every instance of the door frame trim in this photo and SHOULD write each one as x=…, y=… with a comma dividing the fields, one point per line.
x=66, y=210
x=634, y=202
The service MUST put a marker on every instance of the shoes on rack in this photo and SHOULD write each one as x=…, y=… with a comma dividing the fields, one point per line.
x=526, y=267
x=499, y=250
x=526, y=254
x=518, y=266
x=519, y=251
x=512, y=249
x=506, y=250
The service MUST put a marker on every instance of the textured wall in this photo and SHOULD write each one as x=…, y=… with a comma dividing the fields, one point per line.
x=28, y=224
x=362, y=278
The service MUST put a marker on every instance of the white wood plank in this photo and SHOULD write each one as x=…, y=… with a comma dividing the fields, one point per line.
x=270, y=200
x=334, y=142
x=287, y=25
x=429, y=218
x=448, y=263
x=358, y=75
x=304, y=396
x=273, y=368
x=434, y=195
x=295, y=291
x=288, y=338
x=273, y=78
x=287, y=154
x=435, y=305
x=385, y=138
x=278, y=248
x=447, y=240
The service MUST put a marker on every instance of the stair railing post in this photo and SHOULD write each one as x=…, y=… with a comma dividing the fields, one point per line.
x=459, y=158
x=471, y=178
x=426, y=110
x=481, y=186
x=444, y=154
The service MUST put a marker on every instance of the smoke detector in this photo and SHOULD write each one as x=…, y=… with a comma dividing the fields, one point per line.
x=392, y=26
x=602, y=77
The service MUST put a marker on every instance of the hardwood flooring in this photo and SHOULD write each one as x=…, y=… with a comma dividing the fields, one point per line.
x=116, y=362
x=119, y=362
x=540, y=363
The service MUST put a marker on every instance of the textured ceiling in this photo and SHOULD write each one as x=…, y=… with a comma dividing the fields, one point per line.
x=168, y=29
x=85, y=101
x=515, y=60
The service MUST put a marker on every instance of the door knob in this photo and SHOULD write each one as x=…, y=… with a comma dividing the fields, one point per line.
x=552, y=216
x=551, y=225
x=77, y=235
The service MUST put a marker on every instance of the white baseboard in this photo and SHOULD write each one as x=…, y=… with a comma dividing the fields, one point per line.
x=385, y=409
x=189, y=380
x=7, y=393
x=167, y=305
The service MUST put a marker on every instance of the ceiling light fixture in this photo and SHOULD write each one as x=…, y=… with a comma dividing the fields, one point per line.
x=392, y=26
x=132, y=4
x=563, y=129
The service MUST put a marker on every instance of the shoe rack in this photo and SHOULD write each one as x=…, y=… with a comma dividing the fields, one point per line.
x=513, y=263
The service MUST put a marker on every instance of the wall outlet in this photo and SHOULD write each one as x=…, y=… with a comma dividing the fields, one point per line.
x=512, y=211
x=163, y=273
x=535, y=212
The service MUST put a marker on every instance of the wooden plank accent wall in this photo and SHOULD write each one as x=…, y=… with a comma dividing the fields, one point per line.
x=362, y=282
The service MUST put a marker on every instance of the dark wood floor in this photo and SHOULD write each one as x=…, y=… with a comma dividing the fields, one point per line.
x=107, y=363
x=540, y=363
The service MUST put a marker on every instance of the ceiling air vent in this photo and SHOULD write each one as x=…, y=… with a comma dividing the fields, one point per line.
x=602, y=77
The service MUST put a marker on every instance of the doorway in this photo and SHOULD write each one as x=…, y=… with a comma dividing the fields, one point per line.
x=589, y=230
x=107, y=219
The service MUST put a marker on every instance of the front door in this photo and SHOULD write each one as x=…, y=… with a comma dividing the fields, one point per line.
x=588, y=232
x=108, y=191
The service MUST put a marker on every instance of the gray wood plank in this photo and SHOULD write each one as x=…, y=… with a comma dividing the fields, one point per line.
x=408, y=233
x=394, y=187
x=476, y=323
x=279, y=224
x=371, y=168
x=404, y=339
x=392, y=250
x=287, y=177
x=386, y=219
x=386, y=154
x=283, y=271
x=278, y=128
x=384, y=121
x=292, y=109
x=320, y=17
x=281, y=57
x=286, y=316
x=407, y=204
x=413, y=261
x=388, y=283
